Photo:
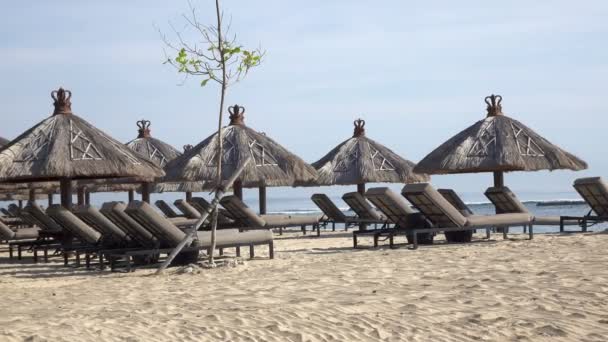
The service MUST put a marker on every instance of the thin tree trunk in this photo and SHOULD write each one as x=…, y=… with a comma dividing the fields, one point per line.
x=220, y=153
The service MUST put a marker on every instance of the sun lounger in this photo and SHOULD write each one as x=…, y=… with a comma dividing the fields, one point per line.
x=25, y=238
x=201, y=205
x=594, y=191
x=166, y=209
x=505, y=201
x=188, y=210
x=7, y=234
x=332, y=214
x=115, y=212
x=362, y=208
x=250, y=220
x=455, y=200
x=111, y=233
x=448, y=219
x=170, y=236
x=396, y=211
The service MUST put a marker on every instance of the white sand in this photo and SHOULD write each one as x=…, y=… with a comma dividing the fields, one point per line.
x=550, y=289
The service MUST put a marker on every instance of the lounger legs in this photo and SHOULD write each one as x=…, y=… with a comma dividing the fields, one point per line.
x=251, y=252
x=531, y=233
x=271, y=249
x=238, y=251
x=354, y=240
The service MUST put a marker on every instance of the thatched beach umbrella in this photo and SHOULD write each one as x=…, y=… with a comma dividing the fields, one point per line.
x=497, y=144
x=3, y=141
x=63, y=147
x=271, y=164
x=359, y=160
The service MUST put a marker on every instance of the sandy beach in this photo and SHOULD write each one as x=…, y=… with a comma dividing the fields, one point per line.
x=554, y=288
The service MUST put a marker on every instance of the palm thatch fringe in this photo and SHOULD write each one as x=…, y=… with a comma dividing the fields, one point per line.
x=360, y=160
x=271, y=164
x=66, y=146
x=497, y=143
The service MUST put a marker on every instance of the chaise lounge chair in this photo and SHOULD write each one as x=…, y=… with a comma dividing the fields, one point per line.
x=223, y=219
x=455, y=200
x=188, y=210
x=331, y=213
x=166, y=209
x=594, y=191
x=506, y=202
x=246, y=217
x=447, y=219
x=115, y=212
x=396, y=210
x=363, y=209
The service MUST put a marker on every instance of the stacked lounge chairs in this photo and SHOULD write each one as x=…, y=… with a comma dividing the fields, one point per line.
x=332, y=214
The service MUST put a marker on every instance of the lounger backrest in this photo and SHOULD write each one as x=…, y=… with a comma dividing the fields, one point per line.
x=433, y=205
x=73, y=224
x=43, y=220
x=328, y=207
x=202, y=205
x=23, y=215
x=393, y=206
x=361, y=206
x=96, y=220
x=505, y=200
x=6, y=212
x=455, y=200
x=166, y=209
x=241, y=212
x=115, y=212
x=187, y=209
x=5, y=232
x=165, y=231
x=595, y=192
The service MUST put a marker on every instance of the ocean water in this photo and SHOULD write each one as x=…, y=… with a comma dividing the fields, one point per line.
x=297, y=201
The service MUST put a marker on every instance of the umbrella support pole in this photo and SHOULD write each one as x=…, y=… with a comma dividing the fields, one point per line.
x=499, y=179
x=219, y=193
x=50, y=196
x=32, y=195
x=87, y=197
x=262, y=198
x=188, y=196
x=66, y=192
x=361, y=191
x=237, y=189
x=80, y=195
x=131, y=196
x=145, y=192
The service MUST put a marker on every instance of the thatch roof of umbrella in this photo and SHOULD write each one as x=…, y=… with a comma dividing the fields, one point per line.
x=271, y=164
x=64, y=147
x=155, y=150
x=497, y=143
x=3, y=141
x=360, y=160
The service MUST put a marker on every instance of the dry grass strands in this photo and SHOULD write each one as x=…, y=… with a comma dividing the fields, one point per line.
x=66, y=146
x=360, y=160
x=271, y=165
x=497, y=143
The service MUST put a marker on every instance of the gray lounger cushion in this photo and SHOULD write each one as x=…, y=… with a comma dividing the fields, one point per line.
x=165, y=231
x=42, y=219
x=73, y=224
x=115, y=212
x=433, y=205
x=594, y=191
x=188, y=210
x=166, y=209
x=233, y=236
x=201, y=205
x=96, y=220
x=505, y=200
x=361, y=207
x=241, y=212
x=328, y=207
x=5, y=232
x=277, y=221
x=393, y=206
x=455, y=200
x=499, y=220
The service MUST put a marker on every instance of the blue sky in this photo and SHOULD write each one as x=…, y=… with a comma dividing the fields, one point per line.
x=417, y=72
